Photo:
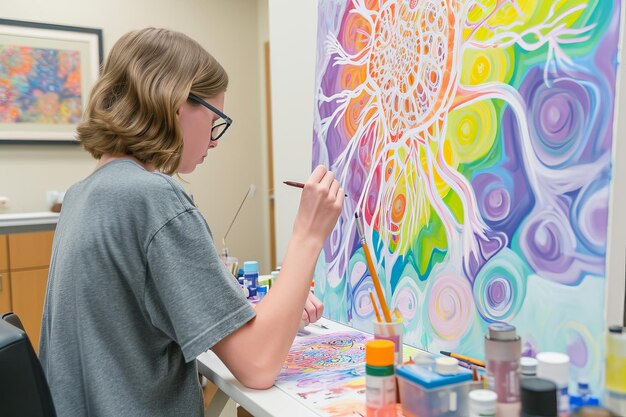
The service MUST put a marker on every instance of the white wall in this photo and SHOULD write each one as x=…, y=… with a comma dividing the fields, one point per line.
x=230, y=31
x=292, y=52
x=293, y=61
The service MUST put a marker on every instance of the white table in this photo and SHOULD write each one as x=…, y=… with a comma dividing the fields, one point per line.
x=261, y=403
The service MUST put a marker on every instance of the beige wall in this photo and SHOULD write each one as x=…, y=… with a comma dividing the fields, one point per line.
x=231, y=31
x=292, y=56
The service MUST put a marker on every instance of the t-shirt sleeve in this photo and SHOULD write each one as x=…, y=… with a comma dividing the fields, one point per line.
x=189, y=293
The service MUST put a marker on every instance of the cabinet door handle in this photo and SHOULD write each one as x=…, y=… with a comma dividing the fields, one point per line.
x=0, y=281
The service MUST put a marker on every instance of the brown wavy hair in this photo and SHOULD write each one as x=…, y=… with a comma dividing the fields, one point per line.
x=132, y=108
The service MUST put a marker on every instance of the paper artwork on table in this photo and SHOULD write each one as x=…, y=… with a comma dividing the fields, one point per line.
x=475, y=139
x=327, y=373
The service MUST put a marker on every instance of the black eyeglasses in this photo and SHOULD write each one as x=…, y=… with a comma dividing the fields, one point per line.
x=220, y=126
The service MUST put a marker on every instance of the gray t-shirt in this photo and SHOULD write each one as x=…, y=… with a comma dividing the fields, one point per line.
x=136, y=291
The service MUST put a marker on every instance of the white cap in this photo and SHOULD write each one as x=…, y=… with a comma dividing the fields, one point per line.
x=482, y=401
x=447, y=365
x=528, y=366
x=553, y=366
x=423, y=358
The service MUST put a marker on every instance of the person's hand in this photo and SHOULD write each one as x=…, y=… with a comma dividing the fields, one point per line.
x=313, y=310
x=320, y=205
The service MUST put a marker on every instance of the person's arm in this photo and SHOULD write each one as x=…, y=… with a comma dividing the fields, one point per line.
x=256, y=352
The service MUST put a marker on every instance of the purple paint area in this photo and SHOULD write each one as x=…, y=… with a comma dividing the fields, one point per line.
x=565, y=121
x=578, y=352
x=498, y=292
x=503, y=197
x=590, y=217
x=607, y=75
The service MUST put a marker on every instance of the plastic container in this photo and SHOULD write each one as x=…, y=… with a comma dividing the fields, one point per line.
x=503, y=350
x=554, y=366
x=425, y=392
x=261, y=291
x=615, y=371
x=424, y=359
x=527, y=366
x=265, y=280
x=582, y=397
x=390, y=331
x=482, y=403
x=251, y=276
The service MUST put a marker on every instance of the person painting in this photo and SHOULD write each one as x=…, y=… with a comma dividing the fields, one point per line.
x=136, y=288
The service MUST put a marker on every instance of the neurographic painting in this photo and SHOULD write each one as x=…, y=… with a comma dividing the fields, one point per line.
x=474, y=137
x=327, y=373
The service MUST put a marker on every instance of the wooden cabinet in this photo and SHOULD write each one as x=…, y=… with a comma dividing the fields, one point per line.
x=30, y=250
x=25, y=277
x=5, y=282
x=28, y=291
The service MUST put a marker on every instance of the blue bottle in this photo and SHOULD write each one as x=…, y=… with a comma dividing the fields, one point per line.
x=251, y=277
x=261, y=291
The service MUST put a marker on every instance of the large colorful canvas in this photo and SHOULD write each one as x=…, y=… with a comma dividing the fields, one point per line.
x=475, y=138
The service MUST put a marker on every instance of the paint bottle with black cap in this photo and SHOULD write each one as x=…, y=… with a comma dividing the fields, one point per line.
x=538, y=397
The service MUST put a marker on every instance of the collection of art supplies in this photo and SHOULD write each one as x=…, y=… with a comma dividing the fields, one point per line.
x=446, y=386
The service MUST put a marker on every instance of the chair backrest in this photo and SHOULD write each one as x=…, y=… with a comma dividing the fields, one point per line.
x=24, y=389
x=13, y=319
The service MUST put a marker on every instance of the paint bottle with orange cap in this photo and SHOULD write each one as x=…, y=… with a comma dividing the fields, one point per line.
x=380, y=378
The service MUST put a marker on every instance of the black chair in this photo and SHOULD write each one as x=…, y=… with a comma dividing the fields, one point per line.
x=24, y=389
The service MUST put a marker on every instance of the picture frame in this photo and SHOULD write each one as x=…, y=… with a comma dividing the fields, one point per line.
x=46, y=75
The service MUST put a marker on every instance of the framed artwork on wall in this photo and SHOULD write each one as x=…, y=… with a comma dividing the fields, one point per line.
x=46, y=74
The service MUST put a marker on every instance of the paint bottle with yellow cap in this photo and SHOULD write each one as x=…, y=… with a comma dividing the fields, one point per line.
x=380, y=378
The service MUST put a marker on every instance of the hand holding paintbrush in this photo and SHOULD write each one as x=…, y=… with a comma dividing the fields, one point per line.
x=298, y=185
